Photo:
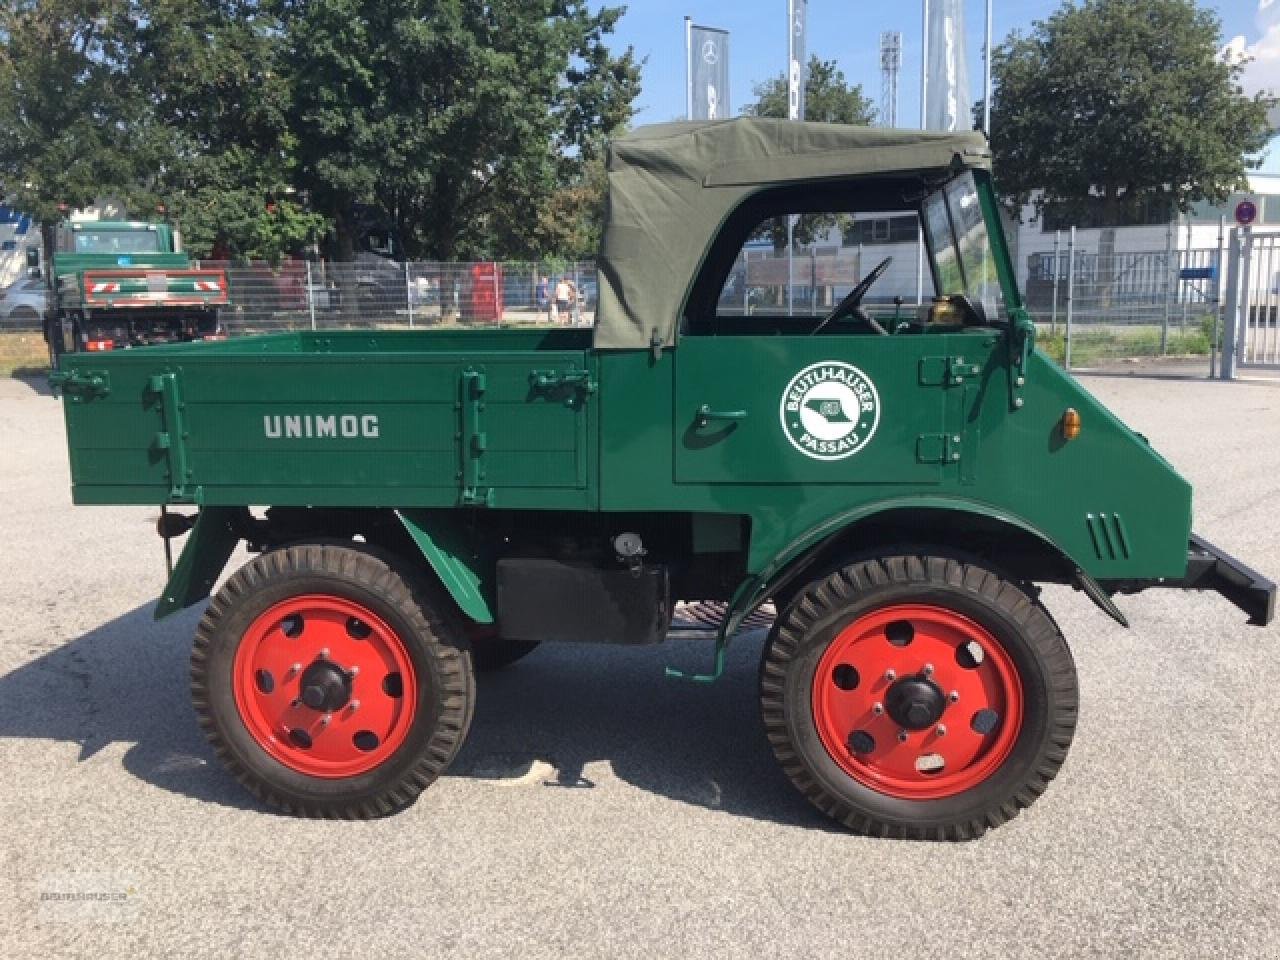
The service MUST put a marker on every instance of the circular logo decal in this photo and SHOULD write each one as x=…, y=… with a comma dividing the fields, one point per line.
x=830, y=410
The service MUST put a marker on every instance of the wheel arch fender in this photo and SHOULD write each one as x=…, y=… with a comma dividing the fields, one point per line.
x=931, y=521
x=440, y=539
x=451, y=555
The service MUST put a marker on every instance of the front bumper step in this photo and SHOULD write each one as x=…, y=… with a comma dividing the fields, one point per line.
x=1209, y=568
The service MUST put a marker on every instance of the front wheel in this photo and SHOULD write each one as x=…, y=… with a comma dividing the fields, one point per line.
x=918, y=696
x=329, y=683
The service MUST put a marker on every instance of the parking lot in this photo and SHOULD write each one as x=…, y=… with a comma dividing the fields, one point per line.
x=600, y=809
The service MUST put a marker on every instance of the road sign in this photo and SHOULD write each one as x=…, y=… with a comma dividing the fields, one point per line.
x=1246, y=212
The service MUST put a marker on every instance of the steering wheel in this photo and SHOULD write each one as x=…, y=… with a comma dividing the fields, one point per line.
x=851, y=304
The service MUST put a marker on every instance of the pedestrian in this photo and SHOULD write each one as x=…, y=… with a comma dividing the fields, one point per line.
x=566, y=300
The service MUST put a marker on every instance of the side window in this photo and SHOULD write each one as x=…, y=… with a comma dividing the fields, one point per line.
x=831, y=253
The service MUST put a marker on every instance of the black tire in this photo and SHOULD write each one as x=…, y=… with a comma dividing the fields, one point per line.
x=1030, y=638
x=423, y=623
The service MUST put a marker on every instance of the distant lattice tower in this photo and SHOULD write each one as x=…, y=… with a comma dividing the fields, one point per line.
x=890, y=65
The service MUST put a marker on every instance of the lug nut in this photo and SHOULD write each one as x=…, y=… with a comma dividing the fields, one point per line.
x=326, y=720
x=354, y=705
x=902, y=736
x=323, y=654
x=953, y=696
x=354, y=671
x=877, y=709
x=891, y=675
x=294, y=669
x=940, y=730
x=928, y=670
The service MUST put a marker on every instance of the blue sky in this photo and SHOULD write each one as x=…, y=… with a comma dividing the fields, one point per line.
x=844, y=31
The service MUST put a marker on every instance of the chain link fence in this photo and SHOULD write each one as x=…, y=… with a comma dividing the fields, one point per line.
x=1095, y=309
x=377, y=293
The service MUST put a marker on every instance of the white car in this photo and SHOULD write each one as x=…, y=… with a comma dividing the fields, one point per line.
x=23, y=302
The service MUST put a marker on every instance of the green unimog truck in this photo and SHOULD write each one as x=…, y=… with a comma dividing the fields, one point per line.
x=115, y=284
x=426, y=503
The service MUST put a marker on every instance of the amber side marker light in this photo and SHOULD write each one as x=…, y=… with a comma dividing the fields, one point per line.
x=1070, y=424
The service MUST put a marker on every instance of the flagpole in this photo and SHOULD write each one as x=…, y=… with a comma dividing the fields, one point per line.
x=688, y=68
x=924, y=117
x=791, y=220
x=986, y=80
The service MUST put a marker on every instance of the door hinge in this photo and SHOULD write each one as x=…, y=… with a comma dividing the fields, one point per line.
x=947, y=371
x=80, y=385
x=938, y=448
x=473, y=442
x=172, y=439
x=572, y=385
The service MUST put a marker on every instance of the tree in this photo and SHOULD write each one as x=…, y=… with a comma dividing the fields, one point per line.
x=829, y=98
x=455, y=122
x=219, y=101
x=1116, y=107
x=66, y=107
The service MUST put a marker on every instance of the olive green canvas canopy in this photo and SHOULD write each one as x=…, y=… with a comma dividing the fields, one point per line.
x=672, y=185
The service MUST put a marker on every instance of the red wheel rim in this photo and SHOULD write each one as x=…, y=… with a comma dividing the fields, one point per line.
x=876, y=702
x=366, y=680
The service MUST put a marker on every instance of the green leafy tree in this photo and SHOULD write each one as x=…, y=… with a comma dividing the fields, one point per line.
x=829, y=98
x=67, y=107
x=1113, y=108
x=219, y=104
x=454, y=123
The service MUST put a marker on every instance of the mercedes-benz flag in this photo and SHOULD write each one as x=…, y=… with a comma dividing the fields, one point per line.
x=797, y=20
x=709, y=73
x=947, y=105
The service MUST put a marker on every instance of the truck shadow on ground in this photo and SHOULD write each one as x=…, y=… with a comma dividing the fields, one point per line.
x=578, y=713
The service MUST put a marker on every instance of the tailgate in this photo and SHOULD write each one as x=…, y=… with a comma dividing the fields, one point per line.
x=154, y=287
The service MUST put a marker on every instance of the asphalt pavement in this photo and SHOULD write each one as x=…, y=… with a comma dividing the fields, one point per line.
x=600, y=809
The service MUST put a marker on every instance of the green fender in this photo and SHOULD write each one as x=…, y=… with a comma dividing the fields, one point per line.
x=792, y=560
x=213, y=539
x=442, y=539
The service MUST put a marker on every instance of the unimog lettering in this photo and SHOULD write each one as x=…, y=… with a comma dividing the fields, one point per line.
x=321, y=426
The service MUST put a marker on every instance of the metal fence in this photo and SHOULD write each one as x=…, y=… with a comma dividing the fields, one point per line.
x=374, y=292
x=1095, y=309
x=1092, y=309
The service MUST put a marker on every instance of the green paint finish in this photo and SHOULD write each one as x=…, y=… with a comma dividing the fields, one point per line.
x=442, y=538
x=209, y=546
x=773, y=443
x=292, y=426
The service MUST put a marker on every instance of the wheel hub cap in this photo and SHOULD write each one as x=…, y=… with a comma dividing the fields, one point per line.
x=325, y=687
x=915, y=703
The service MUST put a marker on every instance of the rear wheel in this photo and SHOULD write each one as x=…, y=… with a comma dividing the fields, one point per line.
x=328, y=684
x=918, y=696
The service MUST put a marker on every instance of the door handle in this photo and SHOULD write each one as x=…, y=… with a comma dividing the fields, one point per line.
x=706, y=415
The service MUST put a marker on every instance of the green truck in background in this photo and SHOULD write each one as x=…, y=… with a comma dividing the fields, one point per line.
x=424, y=504
x=115, y=284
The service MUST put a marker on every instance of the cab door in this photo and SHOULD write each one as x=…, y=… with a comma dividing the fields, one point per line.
x=829, y=409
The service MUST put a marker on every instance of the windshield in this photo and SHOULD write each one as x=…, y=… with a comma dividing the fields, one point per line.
x=117, y=241
x=957, y=235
